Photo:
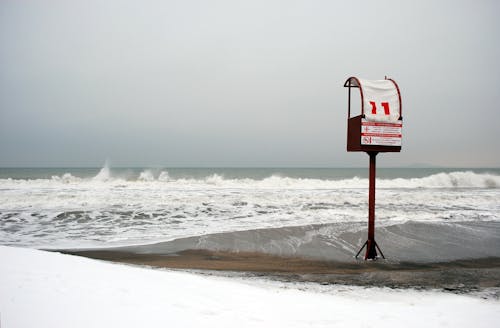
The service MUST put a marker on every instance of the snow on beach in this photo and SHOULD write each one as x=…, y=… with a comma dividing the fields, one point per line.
x=42, y=289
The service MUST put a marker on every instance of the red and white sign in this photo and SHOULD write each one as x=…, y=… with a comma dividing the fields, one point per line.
x=381, y=133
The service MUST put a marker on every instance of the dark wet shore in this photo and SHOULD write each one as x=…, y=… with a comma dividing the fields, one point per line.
x=456, y=256
x=459, y=275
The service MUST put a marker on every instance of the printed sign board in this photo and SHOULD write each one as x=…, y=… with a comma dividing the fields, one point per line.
x=381, y=133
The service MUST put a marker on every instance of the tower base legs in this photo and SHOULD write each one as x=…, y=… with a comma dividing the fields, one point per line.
x=371, y=250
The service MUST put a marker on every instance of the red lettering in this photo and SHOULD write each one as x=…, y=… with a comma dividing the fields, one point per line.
x=384, y=104
x=386, y=108
x=374, y=107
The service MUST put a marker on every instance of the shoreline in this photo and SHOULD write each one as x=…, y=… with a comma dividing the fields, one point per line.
x=460, y=276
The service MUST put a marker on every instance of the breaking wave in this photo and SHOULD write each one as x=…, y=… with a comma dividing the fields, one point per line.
x=104, y=174
x=467, y=179
x=458, y=179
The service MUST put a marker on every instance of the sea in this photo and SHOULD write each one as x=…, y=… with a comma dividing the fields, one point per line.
x=438, y=213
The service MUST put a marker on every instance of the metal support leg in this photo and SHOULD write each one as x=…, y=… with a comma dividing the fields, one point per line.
x=371, y=244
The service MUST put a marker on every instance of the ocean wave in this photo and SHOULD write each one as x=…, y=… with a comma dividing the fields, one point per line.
x=104, y=174
x=458, y=179
x=65, y=178
x=116, y=207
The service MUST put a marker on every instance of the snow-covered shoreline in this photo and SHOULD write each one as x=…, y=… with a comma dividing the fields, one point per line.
x=42, y=289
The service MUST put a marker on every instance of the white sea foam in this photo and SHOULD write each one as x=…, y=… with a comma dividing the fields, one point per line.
x=164, y=177
x=65, y=178
x=146, y=175
x=153, y=206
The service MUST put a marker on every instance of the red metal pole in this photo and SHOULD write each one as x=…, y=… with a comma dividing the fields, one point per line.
x=371, y=252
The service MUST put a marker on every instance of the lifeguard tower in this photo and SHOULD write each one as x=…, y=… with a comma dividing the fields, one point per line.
x=377, y=129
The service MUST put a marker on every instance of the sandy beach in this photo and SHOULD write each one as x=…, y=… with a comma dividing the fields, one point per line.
x=459, y=261
x=457, y=276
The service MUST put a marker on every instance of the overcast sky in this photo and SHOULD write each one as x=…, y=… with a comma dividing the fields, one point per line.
x=242, y=83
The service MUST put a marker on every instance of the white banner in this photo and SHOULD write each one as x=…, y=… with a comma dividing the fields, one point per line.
x=380, y=100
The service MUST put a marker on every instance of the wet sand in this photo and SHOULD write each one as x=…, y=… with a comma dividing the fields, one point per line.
x=460, y=257
x=458, y=275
